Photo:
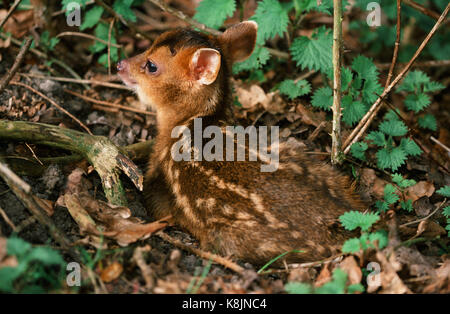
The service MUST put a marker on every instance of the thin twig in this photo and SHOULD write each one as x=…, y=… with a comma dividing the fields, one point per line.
x=7, y=220
x=54, y=104
x=180, y=15
x=79, y=34
x=77, y=81
x=423, y=64
x=17, y=63
x=11, y=10
x=367, y=119
x=109, y=104
x=203, y=254
x=397, y=44
x=439, y=143
x=336, y=140
x=425, y=218
x=109, y=45
x=422, y=9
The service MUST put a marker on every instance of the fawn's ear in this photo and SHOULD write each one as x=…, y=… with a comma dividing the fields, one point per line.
x=205, y=65
x=239, y=40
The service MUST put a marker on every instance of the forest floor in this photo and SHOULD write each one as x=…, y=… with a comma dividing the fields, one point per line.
x=155, y=265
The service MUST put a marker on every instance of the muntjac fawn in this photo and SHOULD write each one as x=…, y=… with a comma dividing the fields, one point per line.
x=229, y=204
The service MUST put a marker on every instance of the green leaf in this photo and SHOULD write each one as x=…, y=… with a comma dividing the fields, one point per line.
x=259, y=57
x=351, y=246
x=92, y=17
x=417, y=102
x=413, y=81
x=390, y=196
x=407, y=205
x=428, y=121
x=297, y=288
x=393, y=158
x=353, y=219
x=356, y=287
x=446, y=211
x=322, y=98
x=123, y=7
x=272, y=20
x=346, y=78
x=401, y=182
x=371, y=90
x=382, y=206
x=444, y=191
x=392, y=115
x=213, y=13
x=17, y=246
x=294, y=89
x=381, y=236
x=393, y=128
x=432, y=87
x=46, y=256
x=376, y=137
x=65, y=3
x=358, y=150
x=7, y=277
x=335, y=286
x=365, y=68
x=410, y=147
x=315, y=52
x=352, y=111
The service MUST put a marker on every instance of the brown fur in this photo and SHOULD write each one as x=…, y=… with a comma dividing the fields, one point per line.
x=232, y=208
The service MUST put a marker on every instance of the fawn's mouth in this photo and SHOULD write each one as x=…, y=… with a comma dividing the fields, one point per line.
x=130, y=82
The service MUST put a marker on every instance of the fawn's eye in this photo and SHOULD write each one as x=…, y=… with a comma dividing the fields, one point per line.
x=151, y=67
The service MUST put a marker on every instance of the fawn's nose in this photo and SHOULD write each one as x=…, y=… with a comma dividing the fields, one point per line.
x=122, y=66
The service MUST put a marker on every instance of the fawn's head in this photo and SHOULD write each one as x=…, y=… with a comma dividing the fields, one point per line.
x=185, y=73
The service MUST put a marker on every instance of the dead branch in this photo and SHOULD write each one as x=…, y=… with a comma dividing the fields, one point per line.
x=397, y=44
x=17, y=63
x=203, y=254
x=106, y=158
x=89, y=36
x=367, y=119
x=11, y=10
x=422, y=9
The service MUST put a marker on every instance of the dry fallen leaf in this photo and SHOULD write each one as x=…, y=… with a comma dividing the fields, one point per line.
x=250, y=97
x=352, y=269
x=441, y=280
x=422, y=188
x=112, y=272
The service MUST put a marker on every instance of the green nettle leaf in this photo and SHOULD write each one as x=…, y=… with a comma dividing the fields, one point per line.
x=358, y=150
x=392, y=158
x=381, y=236
x=446, y=211
x=335, y=286
x=294, y=89
x=407, y=205
x=352, y=111
x=258, y=58
x=346, y=78
x=401, y=182
x=371, y=90
x=353, y=219
x=123, y=7
x=365, y=68
x=17, y=247
x=298, y=288
x=322, y=98
x=376, y=137
x=315, y=52
x=410, y=147
x=432, y=87
x=393, y=128
x=382, y=206
x=417, y=102
x=413, y=81
x=392, y=115
x=213, y=13
x=65, y=3
x=444, y=191
x=272, y=20
x=92, y=17
x=351, y=246
x=428, y=121
x=390, y=196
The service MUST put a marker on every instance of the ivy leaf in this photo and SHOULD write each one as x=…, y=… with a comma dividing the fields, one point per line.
x=377, y=137
x=323, y=98
x=123, y=7
x=444, y=191
x=417, y=102
x=92, y=17
x=428, y=121
x=410, y=147
x=272, y=20
x=315, y=52
x=358, y=150
x=353, y=219
x=294, y=89
x=393, y=158
x=213, y=13
x=393, y=128
x=259, y=57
